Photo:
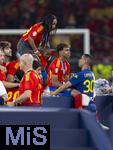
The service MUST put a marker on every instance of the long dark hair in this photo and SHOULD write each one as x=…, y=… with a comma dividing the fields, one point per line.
x=47, y=23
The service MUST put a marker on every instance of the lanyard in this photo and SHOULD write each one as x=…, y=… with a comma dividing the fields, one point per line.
x=63, y=65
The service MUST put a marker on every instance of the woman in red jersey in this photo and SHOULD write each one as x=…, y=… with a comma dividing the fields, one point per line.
x=37, y=36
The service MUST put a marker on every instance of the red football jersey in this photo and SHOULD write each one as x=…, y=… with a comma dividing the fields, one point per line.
x=31, y=81
x=59, y=68
x=2, y=76
x=36, y=32
x=13, y=93
x=12, y=67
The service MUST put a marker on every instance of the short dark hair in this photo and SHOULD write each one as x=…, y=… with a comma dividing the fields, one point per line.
x=4, y=44
x=61, y=46
x=89, y=58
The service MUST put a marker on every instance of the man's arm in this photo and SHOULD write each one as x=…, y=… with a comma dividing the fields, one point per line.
x=10, y=84
x=55, y=81
x=4, y=69
x=61, y=88
x=10, y=78
x=32, y=44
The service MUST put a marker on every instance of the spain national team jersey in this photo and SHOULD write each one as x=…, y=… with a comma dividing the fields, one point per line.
x=84, y=82
x=12, y=67
x=59, y=68
x=36, y=32
x=2, y=76
x=31, y=81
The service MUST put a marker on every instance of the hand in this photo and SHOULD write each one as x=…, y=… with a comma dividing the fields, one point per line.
x=36, y=51
x=17, y=84
x=10, y=104
x=52, y=94
x=3, y=69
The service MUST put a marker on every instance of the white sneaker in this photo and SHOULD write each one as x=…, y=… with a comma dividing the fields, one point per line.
x=104, y=127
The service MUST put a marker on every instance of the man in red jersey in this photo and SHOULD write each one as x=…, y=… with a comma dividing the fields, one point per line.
x=59, y=69
x=30, y=89
x=10, y=66
x=2, y=74
x=5, y=46
x=37, y=36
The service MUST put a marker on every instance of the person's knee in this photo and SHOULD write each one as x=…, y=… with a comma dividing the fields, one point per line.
x=74, y=92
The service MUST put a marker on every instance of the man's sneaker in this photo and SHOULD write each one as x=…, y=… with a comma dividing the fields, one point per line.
x=104, y=127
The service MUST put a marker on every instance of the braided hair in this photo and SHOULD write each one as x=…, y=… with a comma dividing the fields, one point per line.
x=47, y=23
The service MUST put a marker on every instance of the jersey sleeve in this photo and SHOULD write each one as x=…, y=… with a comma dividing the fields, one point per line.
x=76, y=79
x=12, y=68
x=2, y=76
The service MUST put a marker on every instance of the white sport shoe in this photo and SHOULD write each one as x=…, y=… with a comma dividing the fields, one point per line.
x=104, y=127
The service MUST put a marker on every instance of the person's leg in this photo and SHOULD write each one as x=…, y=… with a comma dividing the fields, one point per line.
x=23, y=48
x=77, y=99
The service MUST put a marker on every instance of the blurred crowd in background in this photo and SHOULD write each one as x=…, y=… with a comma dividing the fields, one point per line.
x=94, y=15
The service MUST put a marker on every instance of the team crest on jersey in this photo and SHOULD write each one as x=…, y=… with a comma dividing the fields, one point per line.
x=75, y=76
x=34, y=33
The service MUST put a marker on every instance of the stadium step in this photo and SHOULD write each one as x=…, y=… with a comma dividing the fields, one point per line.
x=70, y=137
x=73, y=148
x=77, y=129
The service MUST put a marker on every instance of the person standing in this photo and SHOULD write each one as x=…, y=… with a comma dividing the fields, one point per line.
x=37, y=36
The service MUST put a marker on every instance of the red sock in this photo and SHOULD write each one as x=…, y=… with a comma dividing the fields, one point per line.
x=97, y=114
x=78, y=101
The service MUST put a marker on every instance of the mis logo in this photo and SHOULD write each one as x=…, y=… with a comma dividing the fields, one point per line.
x=25, y=136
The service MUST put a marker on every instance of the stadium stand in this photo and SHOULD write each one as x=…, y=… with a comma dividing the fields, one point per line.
x=94, y=15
